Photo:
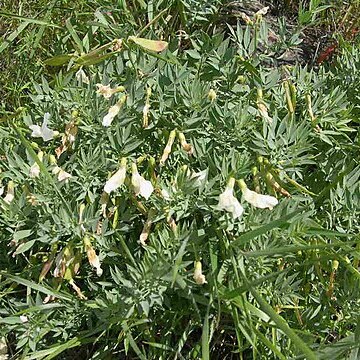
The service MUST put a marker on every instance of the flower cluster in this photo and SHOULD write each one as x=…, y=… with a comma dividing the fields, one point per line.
x=229, y=203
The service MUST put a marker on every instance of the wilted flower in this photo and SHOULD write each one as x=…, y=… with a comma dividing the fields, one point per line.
x=117, y=45
x=43, y=131
x=168, y=147
x=113, y=111
x=10, y=194
x=77, y=290
x=198, y=275
x=107, y=92
x=62, y=175
x=81, y=76
x=262, y=12
x=212, y=95
x=246, y=18
x=35, y=168
x=141, y=186
x=264, y=112
x=147, y=227
x=146, y=111
x=69, y=136
x=92, y=257
x=117, y=179
x=228, y=202
x=186, y=146
x=258, y=200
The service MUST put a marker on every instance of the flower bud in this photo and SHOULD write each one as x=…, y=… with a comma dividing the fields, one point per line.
x=212, y=95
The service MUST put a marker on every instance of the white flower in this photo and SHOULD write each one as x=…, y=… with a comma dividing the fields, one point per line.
x=258, y=200
x=81, y=76
x=62, y=175
x=141, y=186
x=43, y=131
x=165, y=194
x=2, y=189
x=113, y=111
x=24, y=318
x=228, y=202
x=117, y=179
x=10, y=192
x=199, y=277
x=35, y=168
x=199, y=178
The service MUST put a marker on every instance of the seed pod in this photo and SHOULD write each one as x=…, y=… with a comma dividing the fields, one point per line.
x=276, y=186
x=289, y=100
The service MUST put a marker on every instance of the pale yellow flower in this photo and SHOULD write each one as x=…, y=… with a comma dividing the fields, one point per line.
x=35, y=168
x=212, y=95
x=62, y=175
x=117, y=179
x=10, y=194
x=199, y=277
x=24, y=318
x=168, y=147
x=113, y=111
x=141, y=186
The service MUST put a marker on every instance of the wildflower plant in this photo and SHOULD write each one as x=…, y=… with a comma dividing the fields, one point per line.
x=201, y=195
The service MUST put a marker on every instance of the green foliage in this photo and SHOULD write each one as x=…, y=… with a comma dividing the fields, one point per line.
x=280, y=283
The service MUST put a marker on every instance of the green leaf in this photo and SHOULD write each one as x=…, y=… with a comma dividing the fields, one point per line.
x=29, y=20
x=24, y=247
x=21, y=234
x=248, y=236
x=59, y=60
x=37, y=287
